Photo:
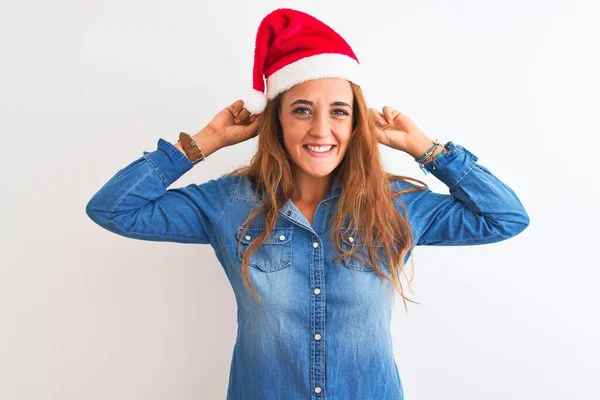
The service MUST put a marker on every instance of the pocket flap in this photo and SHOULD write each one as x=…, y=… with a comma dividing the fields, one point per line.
x=351, y=238
x=277, y=235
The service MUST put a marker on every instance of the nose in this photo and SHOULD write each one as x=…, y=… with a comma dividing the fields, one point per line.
x=321, y=125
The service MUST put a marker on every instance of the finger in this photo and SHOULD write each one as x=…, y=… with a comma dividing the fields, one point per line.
x=377, y=116
x=253, y=117
x=242, y=116
x=236, y=107
x=252, y=129
x=389, y=114
x=405, y=121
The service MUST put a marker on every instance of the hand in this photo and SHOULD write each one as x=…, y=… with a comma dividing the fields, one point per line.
x=399, y=132
x=224, y=125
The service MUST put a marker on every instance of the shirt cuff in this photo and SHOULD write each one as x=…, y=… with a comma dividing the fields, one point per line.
x=168, y=161
x=452, y=165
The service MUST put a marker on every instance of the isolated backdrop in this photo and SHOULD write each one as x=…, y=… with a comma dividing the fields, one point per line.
x=86, y=86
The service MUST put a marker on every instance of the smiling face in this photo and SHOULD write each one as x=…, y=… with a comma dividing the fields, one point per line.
x=317, y=112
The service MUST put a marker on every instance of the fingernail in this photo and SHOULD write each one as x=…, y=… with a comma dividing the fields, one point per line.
x=237, y=121
x=235, y=113
x=381, y=122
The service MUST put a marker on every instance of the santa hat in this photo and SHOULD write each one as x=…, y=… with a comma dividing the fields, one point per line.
x=293, y=47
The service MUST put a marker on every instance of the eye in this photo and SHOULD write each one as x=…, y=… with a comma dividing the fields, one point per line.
x=300, y=108
x=341, y=111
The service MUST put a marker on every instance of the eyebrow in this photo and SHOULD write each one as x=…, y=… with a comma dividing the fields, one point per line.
x=310, y=103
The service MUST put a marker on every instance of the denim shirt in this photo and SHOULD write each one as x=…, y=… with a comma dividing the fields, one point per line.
x=323, y=330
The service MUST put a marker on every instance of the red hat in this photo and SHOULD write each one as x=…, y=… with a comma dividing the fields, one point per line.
x=293, y=47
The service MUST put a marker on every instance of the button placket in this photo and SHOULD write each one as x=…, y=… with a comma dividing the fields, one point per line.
x=317, y=278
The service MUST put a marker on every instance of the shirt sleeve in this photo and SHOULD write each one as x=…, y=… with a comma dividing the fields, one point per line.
x=480, y=208
x=135, y=202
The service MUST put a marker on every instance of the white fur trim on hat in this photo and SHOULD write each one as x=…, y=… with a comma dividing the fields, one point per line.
x=328, y=65
x=255, y=102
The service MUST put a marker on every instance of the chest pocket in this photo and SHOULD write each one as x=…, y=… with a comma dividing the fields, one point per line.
x=273, y=254
x=349, y=241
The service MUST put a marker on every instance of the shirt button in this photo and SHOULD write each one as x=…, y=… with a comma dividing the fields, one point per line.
x=324, y=203
x=315, y=244
x=317, y=337
x=317, y=291
x=288, y=213
x=247, y=237
x=317, y=389
x=282, y=237
x=350, y=239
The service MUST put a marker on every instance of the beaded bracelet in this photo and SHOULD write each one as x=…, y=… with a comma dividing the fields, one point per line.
x=427, y=157
x=428, y=152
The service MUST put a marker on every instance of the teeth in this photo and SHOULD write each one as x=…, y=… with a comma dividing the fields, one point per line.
x=320, y=149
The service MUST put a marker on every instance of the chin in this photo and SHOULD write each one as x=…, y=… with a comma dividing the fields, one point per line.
x=321, y=173
x=316, y=169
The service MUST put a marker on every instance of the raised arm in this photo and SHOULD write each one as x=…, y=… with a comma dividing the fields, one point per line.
x=137, y=203
x=480, y=208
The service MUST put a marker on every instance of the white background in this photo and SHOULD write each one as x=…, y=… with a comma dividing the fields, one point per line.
x=85, y=87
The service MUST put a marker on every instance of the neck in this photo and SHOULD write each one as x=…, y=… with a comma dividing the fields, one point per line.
x=310, y=190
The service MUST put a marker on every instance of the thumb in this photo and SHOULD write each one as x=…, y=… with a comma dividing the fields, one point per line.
x=252, y=129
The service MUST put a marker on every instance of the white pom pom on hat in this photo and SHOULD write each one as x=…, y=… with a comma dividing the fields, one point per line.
x=255, y=101
x=293, y=47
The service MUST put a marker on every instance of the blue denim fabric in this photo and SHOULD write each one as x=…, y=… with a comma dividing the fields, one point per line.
x=278, y=353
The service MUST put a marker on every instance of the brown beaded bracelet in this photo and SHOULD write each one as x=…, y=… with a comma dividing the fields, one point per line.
x=429, y=155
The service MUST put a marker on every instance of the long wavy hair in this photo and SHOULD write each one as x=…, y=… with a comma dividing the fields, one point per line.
x=370, y=205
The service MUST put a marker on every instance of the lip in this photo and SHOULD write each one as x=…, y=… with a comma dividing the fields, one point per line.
x=319, y=155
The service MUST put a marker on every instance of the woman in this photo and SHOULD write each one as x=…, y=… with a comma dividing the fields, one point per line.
x=313, y=234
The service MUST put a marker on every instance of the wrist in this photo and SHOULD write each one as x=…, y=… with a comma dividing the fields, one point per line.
x=206, y=140
x=418, y=148
x=434, y=154
x=428, y=151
